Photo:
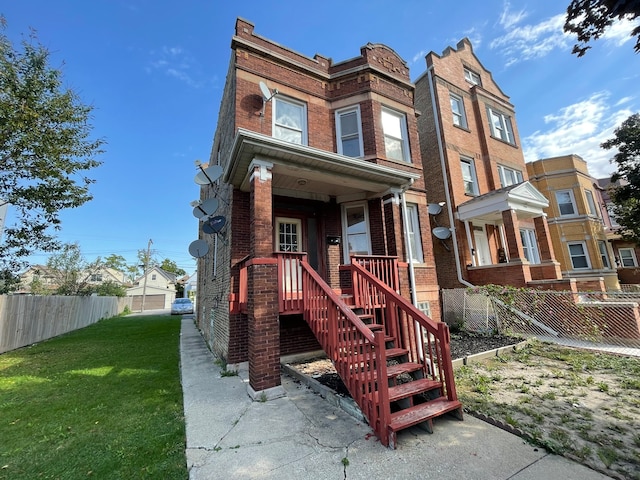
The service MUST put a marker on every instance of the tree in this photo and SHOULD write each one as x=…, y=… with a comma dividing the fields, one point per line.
x=626, y=194
x=172, y=267
x=117, y=262
x=589, y=20
x=71, y=272
x=110, y=289
x=45, y=149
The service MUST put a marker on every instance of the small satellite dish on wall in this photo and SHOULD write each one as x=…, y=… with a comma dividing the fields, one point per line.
x=434, y=208
x=206, y=208
x=207, y=228
x=198, y=248
x=217, y=223
x=441, y=233
x=266, y=93
x=208, y=175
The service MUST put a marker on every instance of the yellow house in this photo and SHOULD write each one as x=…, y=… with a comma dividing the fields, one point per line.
x=575, y=221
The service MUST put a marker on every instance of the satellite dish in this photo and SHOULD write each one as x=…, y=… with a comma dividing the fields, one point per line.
x=206, y=208
x=434, y=208
x=441, y=233
x=207, y=228
x=198, y=248
x=217, y=223
x=208, y=175
x=266, y=93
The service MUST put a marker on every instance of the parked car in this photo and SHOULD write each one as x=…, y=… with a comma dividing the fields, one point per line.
x=180, y=306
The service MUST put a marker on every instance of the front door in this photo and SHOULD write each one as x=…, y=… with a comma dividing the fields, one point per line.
x=289, y=240
x=483, y=253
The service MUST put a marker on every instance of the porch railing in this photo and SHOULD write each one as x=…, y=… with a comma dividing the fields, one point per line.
x=290, y=281
x=383, y=268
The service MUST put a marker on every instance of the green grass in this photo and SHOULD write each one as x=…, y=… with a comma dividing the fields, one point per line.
x=103, y=402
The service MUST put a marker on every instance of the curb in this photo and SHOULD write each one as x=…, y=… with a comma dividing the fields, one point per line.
x=496, y=352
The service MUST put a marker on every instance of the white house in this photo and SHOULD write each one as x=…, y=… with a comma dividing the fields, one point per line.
x=156, y=286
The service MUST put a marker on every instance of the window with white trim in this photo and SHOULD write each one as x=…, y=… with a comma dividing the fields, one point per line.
x=349, y=132
x=290, y=120
x=500, y=126
x=591, y=204
x=472, y=77
x=604, y=253
x=415, y=239
x=579, y=256
x=394, y=126
x=612, y=215
x=566, y=202
x=469, y=176
x=509, y=176
x=529, y=245
x=628, y=257
x=457, y=110
x=355, y=226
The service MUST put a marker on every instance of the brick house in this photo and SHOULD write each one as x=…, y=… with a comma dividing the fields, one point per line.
x=326, y=240
x=493, y=227
x=575, y=220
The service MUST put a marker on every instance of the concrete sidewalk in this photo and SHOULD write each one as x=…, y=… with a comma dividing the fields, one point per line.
x=301, y=436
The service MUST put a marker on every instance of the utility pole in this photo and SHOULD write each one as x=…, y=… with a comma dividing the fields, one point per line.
x=146, y=264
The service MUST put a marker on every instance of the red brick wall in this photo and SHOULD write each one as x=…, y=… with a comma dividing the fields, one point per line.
x=296, y=336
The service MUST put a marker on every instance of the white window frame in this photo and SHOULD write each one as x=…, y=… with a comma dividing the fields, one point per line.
x=340, y=137
x=604, y=253
x=393, y=136
x=530, y=245
x=612, y=217
x=472, y=77
x=345, y=230
x=298, y=233
x=508, y=174
x=585, y=254
x=302, y=130
x=473, y=181
x=457, y=110
x=501, y=126
x=631, y=256
x=413, y=230
x=572, y=201
x=591, y=203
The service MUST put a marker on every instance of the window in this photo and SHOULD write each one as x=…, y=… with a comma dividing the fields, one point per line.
x=469, y=177
x=612, y=215
x=348, y=132
x=394, y=126
x=425, y=307
x=604, y=255
x=290, y=121
x=96, y=277
x=472, y=77
x=566, y=203
x=591, y=204
x=356, y=230
x=500, y=126
x=289, y=231
x=529, y=245
x=457, y=109
x=628, y=257
x=413, y=230
x=578, y=254
x=153, y=276
x=509, y=176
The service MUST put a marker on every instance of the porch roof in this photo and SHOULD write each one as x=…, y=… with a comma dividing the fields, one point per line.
x=307, y=172
x=523, y=198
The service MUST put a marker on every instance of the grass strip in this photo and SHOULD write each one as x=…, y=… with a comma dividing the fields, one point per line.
x=104, y=401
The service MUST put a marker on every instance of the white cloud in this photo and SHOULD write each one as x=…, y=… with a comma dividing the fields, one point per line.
x=619, y=32
x=579, y=129
x=174, y=62
x=419, y=56
x=508, y=18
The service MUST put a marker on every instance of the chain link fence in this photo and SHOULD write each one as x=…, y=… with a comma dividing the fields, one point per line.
x=607, y=321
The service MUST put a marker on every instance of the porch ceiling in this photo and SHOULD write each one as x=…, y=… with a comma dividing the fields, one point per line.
x=302, y=171
x=523, y=198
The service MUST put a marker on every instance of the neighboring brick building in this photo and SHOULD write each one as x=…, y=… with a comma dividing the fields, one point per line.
x=575, y=220
x=316, y=157
x=471, y=150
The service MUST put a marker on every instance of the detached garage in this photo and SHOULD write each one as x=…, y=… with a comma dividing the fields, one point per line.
x=159, y=293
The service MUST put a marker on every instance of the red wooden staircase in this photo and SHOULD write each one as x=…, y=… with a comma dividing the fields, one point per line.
x=393, y=359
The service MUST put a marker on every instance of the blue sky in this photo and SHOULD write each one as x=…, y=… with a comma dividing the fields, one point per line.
x=155, y=70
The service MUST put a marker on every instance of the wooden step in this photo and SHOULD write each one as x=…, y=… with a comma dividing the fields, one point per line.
x=422, y=413
x=396, y=352
x=415, y=387
x=400, y=368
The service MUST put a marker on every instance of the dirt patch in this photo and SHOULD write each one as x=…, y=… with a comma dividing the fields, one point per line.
x=578, y=403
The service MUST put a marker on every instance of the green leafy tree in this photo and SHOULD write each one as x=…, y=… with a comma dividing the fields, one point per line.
x=117, y=262
x=590, y=19
x=626, y=192
x=8, y=281
x=110, y=289
x=37, y=287
x=172, y=267
x=71, y=272
x=45, y=149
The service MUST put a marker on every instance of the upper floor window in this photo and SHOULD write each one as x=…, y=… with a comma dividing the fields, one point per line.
x=349, y=132
x=394, y=126
x=628, y=257
x=591, y=204
x=290, y=120
x=153, y=276
x=96, y=277
x=469, y=176
x=500, y=126
x=578, y=254
x=566, y=203
x=612, y=215
x=457, y=110
x=472, y=77
x=509, y=176
x=413, y=231
x=604, y=254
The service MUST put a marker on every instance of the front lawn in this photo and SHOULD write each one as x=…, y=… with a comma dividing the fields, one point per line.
x=104, y=401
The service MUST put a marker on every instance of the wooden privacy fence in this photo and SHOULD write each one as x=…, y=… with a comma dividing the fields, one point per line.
x=29, y=319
